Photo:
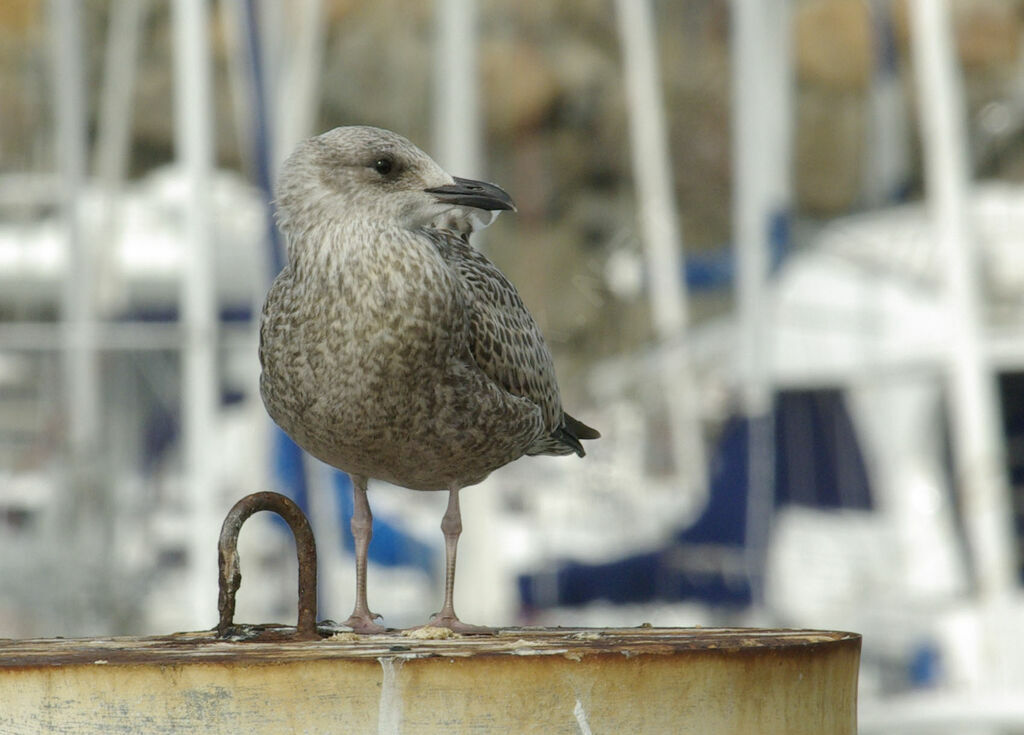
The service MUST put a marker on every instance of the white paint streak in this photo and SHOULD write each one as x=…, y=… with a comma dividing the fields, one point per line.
x=581, y=718
x=389, y=712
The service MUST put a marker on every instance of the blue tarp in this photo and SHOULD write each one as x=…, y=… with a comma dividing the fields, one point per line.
x=818, y=463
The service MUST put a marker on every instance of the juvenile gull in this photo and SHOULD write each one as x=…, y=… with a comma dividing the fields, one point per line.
x=390, y=347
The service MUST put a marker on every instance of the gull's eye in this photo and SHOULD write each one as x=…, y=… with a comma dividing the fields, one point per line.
x=383, y=165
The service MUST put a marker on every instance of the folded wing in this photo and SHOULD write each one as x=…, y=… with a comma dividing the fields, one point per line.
x=507, y=345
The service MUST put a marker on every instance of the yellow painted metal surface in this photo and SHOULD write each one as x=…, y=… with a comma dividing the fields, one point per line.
x=633, y=681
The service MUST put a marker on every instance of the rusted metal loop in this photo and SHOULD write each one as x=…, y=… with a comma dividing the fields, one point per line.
x=230, y=572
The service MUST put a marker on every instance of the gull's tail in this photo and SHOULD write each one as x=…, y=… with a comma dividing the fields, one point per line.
x=566, y=438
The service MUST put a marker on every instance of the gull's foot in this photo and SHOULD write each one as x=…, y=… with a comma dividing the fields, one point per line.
x=454, y=624
x=364, y=623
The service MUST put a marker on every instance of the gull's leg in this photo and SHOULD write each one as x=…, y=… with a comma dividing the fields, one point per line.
x=451, y=526
x=362, y=620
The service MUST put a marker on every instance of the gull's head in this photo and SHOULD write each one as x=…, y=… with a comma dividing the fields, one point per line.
x=378, y=178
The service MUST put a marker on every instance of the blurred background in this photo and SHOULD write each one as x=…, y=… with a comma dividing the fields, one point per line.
x=777, y=249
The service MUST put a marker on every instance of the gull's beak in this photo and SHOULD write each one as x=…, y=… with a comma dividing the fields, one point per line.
x=470, y=193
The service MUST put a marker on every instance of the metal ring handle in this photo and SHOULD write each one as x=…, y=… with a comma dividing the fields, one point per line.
x=230, y=571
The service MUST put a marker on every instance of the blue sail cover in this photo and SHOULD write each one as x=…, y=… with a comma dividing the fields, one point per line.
x=818, y=463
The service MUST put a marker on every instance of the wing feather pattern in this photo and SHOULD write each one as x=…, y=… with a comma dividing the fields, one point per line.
x=508, y=346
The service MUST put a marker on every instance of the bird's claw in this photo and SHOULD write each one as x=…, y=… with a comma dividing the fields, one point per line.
x=363, y=622
x=454, y=624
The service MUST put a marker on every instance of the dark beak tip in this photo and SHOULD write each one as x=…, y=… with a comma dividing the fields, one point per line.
x=478, y=194
x=504, y=205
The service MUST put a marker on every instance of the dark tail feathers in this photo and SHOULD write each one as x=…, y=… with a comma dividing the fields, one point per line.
x=572, y=430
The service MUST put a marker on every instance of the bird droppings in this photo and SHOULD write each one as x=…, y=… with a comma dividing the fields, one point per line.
x=586, y=635
x=345, y=636
x=430, y=633
x=389, y=708
x=581, y=718
x=520, y=644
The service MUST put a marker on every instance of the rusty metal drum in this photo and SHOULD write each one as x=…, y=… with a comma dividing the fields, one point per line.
x=519, y=680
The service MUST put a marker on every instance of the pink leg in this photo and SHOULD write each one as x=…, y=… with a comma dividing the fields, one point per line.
x=451, y=526
x=362, y=620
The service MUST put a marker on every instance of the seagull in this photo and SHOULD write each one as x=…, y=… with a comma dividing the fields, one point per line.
x=391, y=348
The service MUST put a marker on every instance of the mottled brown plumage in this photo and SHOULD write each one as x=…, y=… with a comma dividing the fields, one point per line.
x=390, y=347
